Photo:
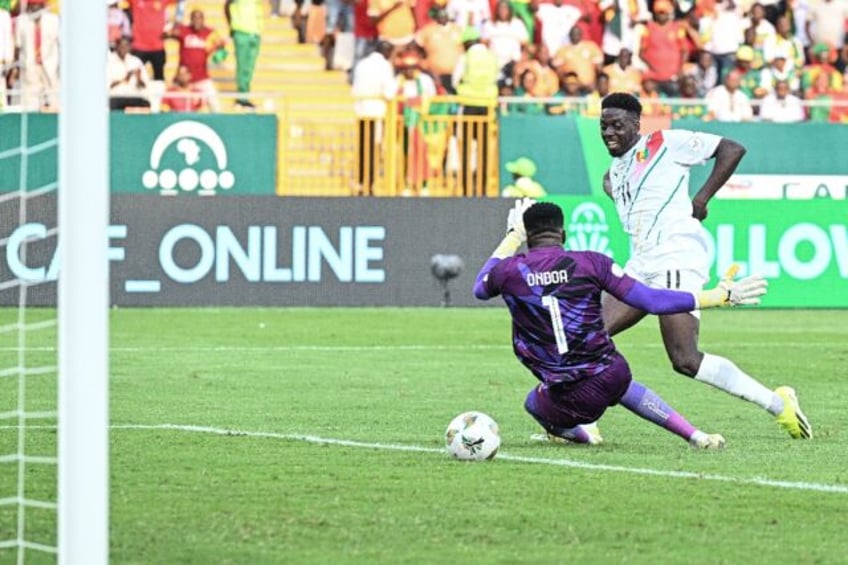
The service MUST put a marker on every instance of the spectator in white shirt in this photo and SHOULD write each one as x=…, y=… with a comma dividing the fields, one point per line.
x=7, y=53
x=505, y=34
x=37, y=43
x=800, y=11
x=469, y=13
x=557, y=20
x=722, y=34
x=779, y=70
x=7, y=41
x=128, y=78
x=726, y=103
x=781, y=105
x=826, y=22
x=763, y=29
x=784, y=43
x=373, y=84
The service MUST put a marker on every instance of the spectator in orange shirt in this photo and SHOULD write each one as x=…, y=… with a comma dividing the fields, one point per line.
x=181, y=96
x=524, y=62
x=582, y=57
x=662, y=48
x=547, y=81
x=442, y=43
x=623, y=76
x=394, y=20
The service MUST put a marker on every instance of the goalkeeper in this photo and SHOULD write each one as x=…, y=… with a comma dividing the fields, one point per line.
x=554, y=298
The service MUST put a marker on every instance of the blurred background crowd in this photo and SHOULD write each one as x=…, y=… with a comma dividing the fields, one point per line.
x=781, y=60
x=715, y=59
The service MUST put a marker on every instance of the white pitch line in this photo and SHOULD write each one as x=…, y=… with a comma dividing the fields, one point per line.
x=398, y=347
x=258, y=348
x=758, y=481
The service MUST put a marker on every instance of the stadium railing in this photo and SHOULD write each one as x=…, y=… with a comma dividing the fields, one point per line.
x=424, y=147
x=418, y=148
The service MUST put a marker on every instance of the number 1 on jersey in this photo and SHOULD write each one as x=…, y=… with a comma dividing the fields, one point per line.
x=552, y=304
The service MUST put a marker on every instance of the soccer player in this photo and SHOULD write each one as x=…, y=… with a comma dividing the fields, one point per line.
x=649, y=182
x=554, y=298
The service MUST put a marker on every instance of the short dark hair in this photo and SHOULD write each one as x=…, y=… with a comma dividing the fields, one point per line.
x=622, y=101
x=543, y=216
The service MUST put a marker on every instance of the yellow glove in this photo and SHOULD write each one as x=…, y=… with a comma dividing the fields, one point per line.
x=745, y=291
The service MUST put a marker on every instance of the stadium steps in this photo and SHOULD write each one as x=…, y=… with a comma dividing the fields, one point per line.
x=317, y=122
x=284, y=66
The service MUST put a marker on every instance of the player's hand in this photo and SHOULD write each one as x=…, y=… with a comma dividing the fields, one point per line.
x=699, y=210
x=515, y=218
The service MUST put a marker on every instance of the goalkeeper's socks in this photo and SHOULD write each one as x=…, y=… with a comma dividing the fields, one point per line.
x=644, y=402
x=725, y=375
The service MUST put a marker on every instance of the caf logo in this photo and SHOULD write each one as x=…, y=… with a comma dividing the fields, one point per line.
x=587, y=229
x=190, y=139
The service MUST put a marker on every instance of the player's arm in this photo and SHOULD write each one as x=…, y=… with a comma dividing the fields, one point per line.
x=727, y=156
x=509, y=245
x=747, y=291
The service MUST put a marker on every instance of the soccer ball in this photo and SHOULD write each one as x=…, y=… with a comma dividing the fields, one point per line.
x=473, y=436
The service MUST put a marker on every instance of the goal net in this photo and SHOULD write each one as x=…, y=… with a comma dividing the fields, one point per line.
x=54, y=207
x=28, y=353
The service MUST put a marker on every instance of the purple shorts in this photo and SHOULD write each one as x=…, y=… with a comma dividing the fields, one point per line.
x=564, y=406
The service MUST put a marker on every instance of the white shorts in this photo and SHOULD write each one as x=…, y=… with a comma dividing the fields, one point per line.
x=679, y=264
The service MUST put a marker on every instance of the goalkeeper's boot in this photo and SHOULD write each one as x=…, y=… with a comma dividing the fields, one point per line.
x=707, y=441
x=591, y=430
x=792, y=419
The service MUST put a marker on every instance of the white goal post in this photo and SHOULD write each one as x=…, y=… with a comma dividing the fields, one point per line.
x=83, y=299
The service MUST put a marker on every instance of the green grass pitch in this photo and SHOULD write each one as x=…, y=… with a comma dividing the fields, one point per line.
x=390, y=378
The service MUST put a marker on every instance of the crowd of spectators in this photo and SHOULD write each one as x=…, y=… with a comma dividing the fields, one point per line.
x=733, y=60
x=136, y=31
x=773, y=60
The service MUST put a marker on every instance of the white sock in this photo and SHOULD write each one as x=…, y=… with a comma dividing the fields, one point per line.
x=724, y=375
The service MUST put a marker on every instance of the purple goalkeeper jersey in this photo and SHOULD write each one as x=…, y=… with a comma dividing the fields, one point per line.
x=554, y=297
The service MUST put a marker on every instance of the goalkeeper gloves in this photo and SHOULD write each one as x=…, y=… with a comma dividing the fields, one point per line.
x=516, y=235
x=745, y=291
x=515, y=219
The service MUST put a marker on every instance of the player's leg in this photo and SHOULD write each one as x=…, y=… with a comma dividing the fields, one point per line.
x=560, y=426
x=647, y=404
x=617, y=315
x=680, y=335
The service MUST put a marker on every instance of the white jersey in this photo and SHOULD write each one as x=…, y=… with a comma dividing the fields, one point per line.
x=650, y=186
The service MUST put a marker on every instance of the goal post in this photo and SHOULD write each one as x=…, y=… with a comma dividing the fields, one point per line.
x=83, y=294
